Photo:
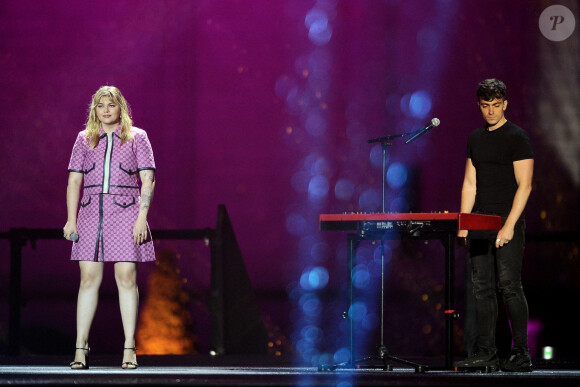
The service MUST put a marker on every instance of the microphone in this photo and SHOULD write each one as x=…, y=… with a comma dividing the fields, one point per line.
x=434, y=122
x=74, y=237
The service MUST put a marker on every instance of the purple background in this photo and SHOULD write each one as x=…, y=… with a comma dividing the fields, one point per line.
x=265, y=106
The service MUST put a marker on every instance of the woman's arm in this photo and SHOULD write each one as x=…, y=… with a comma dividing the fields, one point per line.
x=73, y=193
x=147, y=187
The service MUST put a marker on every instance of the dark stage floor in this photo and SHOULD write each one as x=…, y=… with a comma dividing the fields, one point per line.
x=257, y=370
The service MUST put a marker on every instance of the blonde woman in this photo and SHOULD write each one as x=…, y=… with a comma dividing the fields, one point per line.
x=111, y=225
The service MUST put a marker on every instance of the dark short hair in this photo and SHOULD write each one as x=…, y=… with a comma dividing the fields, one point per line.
x=491, y=89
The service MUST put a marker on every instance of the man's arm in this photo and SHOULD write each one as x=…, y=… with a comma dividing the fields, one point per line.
x=523, y=171
x=468, y=192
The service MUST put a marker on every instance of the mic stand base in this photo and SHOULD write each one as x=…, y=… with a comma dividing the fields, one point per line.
x=382, y=354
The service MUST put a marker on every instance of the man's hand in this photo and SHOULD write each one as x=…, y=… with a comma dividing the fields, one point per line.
x=504, y=236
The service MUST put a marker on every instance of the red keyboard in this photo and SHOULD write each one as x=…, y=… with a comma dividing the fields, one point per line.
x=445, y=221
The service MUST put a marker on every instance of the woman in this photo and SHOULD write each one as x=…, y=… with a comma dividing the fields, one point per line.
x=112, y=220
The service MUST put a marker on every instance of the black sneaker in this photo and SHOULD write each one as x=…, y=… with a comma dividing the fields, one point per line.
x=480, y=360
x=519, y=361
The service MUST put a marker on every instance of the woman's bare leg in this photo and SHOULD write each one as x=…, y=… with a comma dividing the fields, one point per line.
x=126, y=277
x=88, y=298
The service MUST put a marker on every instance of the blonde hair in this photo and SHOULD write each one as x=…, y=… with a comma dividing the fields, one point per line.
x=93, y=125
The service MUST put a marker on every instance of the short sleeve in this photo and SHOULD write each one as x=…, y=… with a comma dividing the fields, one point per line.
x=470, y=142
x=522, y=147
x=468, y=150
x=79, y=152
x=144, y=152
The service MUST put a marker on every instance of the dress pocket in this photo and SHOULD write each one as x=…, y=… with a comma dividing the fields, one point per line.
x=125, y=203
x=86, y=171
x=86, y=202
x=127, y=171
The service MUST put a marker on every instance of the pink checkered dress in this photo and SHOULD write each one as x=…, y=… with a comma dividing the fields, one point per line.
x=111, y=196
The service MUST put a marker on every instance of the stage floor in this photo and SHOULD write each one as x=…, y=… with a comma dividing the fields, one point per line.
x=264, y=370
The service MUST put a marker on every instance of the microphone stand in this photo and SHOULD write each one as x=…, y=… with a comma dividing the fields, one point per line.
x=382, y=353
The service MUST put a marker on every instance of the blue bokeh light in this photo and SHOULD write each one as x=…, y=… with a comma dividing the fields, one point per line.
x=297, y=101
x=420, y=104
x=318, y=187
x=314, y=278
x=376, y=156
x=357, y=311
x=417, y=104
x=316, y=164
x=397, y=175
x=315, y=124
x=307, y=349
x=319, y=29
x=312, y=333
x=399, y=204
x=312, y=307
x=344, y=189
x=342, y=355
x=369, y=200
x=360, y=276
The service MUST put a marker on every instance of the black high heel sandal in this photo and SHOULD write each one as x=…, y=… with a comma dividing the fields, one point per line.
x=130, y=365
x=83, y=366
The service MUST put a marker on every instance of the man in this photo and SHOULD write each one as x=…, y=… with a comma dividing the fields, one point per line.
x=498, y=181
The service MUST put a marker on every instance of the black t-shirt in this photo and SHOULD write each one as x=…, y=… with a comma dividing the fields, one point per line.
x=493, y=153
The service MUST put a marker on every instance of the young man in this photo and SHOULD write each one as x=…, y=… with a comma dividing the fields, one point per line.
x=498, y=181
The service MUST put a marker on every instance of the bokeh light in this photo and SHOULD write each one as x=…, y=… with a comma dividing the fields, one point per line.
x=344, y=189
x=417, y=104
x=319, y=28
x=357, y=311
x=370, y=200
x=315, y=123
x=318, y=187
x=397, y=175
x=360, y=276
x=314, y=278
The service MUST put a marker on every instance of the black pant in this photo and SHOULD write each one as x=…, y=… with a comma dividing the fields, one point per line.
x=499, y=268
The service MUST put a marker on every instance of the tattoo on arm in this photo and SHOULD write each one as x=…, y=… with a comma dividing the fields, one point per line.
x=148, y=180
x=147, y=176
x=146, y=198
